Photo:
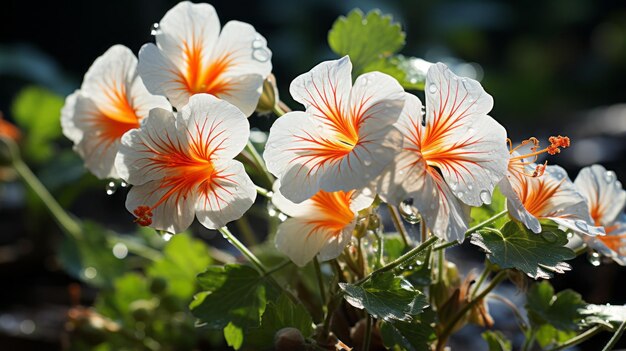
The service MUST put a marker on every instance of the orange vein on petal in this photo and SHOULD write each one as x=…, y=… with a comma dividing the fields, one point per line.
x=117, y=117
x=333, y=211
x=189, y=169
x=198, y=77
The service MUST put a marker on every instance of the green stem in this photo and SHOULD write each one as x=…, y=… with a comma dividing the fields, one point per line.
x=615, y=338
x=400, y=260
x=263, y=192
x=245, y=229
x=584, y=336
x=260, y=165
x=397, y=222
x=473, y=229
x=67, y=223
x=481, y=279
x=244, y=250
x=450, y=326
x=513, y=308
x=320, y=279
x=367, y=338
x=279, y=267
x=280, y=108
x=379, y=254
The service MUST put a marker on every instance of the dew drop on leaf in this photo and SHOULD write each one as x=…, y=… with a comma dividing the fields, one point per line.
x=111, y=188
x=594, y=258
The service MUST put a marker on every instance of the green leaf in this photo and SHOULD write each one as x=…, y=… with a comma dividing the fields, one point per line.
x=231, y=294
x=278, y=315
x=549, y=335
x=413, y=336
x=514, y=246
x=603, y=314
x=127, y=289
x=410, y=72
x=37, y=111
x=234, y=336
x=485, y=212
x=561, y=310
x=365, y=38
x=183, y=259
x=91, y=259
x=496, y=341
x=386, y=296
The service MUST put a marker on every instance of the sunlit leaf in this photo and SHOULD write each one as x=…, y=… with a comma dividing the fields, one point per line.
x=410, y=72
x=365, y=38
x=411, y=336
x=184, y=258
x=386, y=297
x=603, y=314
x=561, y=310
x=234, y=336
x=496, y=341
x=514, y=246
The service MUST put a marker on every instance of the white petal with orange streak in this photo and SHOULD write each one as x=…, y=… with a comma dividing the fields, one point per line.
x=174, y=215
x=335, y=244
x=514, y=204
x=161, y=76
x=445, y=215
x=299, y=240
x=474, y=142
x=603, y=192
x=289, y=207
x=97, y=151
x=287, y=157
x=157, y=134
x=244, y=92
x=225, y=198
x=325, y=89
x=219, y=126
x=378, y=99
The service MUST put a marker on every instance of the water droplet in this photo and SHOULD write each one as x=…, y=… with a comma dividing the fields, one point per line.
x=111, y=188
x=367, y=191
x=401, y=172
x=123, y=184
x=582, y=226
x=609, y=176
x=259, y=42
x=90, y=272
x=408, y=212
x=485, y=197
x=470, y=130
x=367, y=162
x=594, y=258
x=459, y=194
x=432, y=88
x=470, y=186
x=120, y=251
x=618, y=184
x=167, y=236
x=570, y=235
x=155, y=29
x=261, y=55
x=453, y=185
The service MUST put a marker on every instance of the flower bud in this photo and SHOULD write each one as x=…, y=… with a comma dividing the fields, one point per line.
x=288, y=339
x=269, y=97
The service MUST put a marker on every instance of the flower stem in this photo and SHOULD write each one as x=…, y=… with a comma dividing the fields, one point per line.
x=397, y=222
x=320, y=279
x=448, y=329
x=243, y=249
x=473, y=229
x=367, y=338
x=260, y=165
x=615, y=338
x=584, y=336
x=63, y=219
x=281, y=108
x=400, y=260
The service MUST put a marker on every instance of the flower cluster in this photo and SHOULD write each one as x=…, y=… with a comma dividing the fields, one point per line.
x=171, y=123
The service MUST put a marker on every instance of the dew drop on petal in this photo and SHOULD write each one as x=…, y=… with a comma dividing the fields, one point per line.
x=582, y=225
x=432, y=88
x=111, y=188
x=258, y=43
x=123, y=184
x=618, y=184
x=453, y=185
x=485, y=197
x=260, y=55
x=408, y=212
x=594, y=258
x=367, y=162
x=155, y=29
x=609, y=176
x=470, y=186
x=459, y=194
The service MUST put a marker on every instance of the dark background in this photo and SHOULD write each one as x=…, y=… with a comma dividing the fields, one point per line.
x=553, y=67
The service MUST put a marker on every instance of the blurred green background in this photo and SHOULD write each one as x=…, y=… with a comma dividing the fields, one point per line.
x=553, y=67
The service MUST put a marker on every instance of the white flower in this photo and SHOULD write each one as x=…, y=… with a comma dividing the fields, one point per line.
x=192, y=56
x=345, y=137
x=452, y=157
x=321, y=225
x=606, y=199
x=111, y=101
x=183, y=165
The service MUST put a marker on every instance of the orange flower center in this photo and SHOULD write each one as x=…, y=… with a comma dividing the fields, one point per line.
x=334, y=210
x=117, y=117
x=199, y=77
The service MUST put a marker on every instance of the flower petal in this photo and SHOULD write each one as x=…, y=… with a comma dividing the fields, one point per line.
x=67, y=118
x=226, y=197
x=516, y=208
x=604, y=193
x=460, y=139
x=220, y=129
x=302, y=240
x=174, y=214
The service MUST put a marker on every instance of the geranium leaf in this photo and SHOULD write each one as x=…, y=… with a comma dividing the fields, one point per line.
x=365, y=38
x=386, y=296
x=412, y=336
x=560, y=310
x=514, y=246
